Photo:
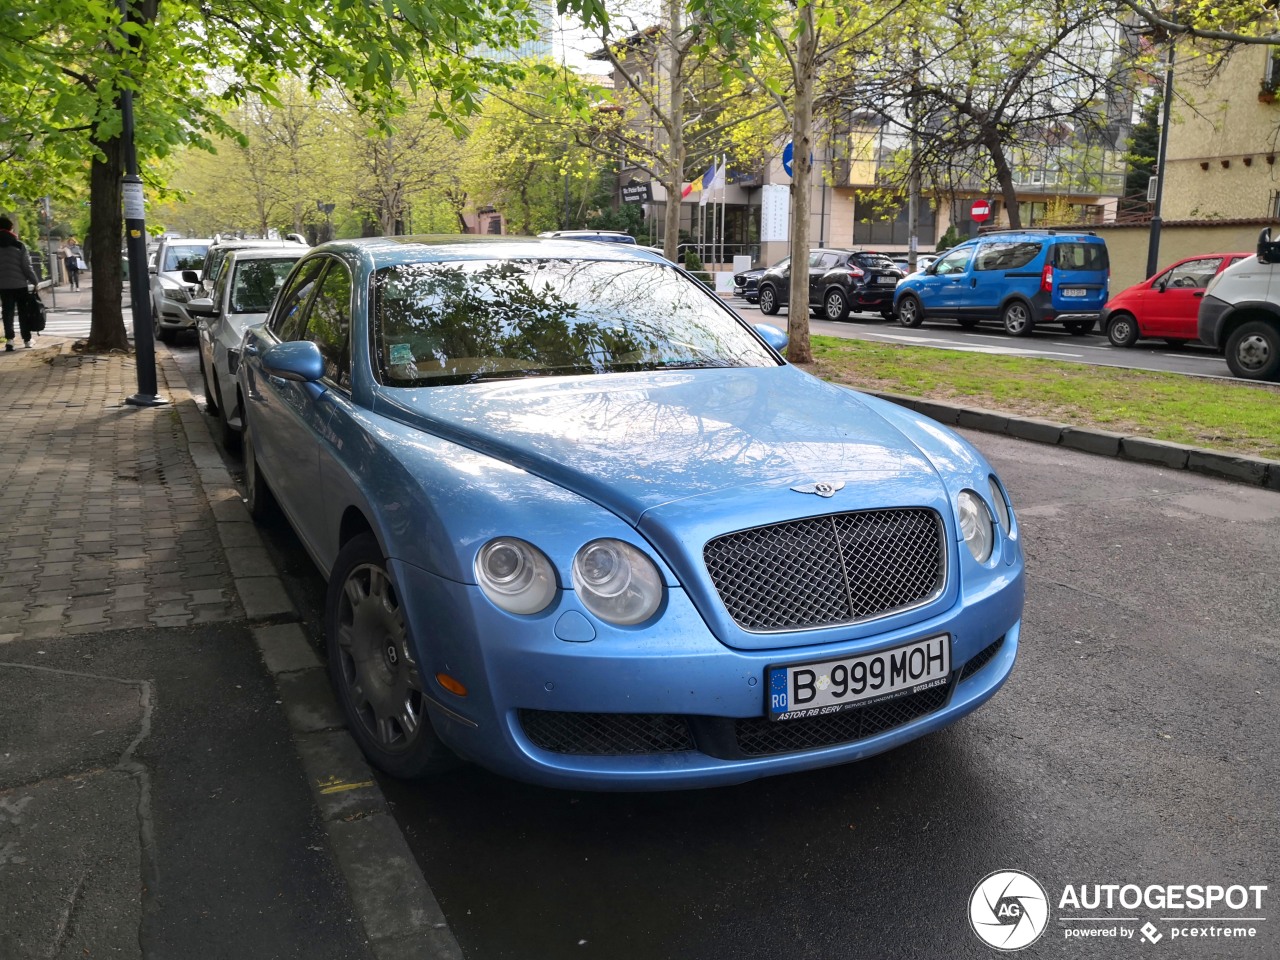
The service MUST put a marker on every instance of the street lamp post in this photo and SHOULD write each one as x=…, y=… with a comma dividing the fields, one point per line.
x=135, y=229
x=1153, y=245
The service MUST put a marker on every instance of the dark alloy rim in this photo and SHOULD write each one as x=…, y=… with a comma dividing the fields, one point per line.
x=381, y=681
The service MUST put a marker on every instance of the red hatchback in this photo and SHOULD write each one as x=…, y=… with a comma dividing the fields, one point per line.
x=1165, y=305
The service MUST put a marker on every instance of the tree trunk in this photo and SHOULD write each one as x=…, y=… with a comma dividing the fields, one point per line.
x=799, y=350
x=1004, y=177
x=106, y=231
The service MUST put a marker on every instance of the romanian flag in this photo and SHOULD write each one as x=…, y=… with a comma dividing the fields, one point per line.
x=704, y=182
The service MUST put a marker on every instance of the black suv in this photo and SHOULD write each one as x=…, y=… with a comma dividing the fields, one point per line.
x=840, y=282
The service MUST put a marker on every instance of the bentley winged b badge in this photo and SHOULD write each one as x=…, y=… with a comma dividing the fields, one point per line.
x=822, y=488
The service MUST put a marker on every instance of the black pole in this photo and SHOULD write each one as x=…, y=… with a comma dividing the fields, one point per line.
x=135, y=231
x=1153, y=246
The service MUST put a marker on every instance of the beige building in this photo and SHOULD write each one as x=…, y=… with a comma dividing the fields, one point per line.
x=1222, y=150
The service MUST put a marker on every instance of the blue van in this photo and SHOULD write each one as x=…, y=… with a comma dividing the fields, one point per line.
x=1022, y=278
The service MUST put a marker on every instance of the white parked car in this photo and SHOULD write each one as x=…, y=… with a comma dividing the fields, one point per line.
x=243, y=292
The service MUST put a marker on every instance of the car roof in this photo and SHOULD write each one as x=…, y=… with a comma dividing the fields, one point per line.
x=389, y=251
x=295, y=250
x=240, y=244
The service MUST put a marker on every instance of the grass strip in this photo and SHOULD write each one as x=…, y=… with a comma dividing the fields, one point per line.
x=1198, y=411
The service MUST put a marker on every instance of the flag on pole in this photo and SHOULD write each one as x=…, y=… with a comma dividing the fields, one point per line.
x=702, y=184
x=709, y=181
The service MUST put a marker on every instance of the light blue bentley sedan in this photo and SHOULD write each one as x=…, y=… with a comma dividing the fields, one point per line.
x=585, y=527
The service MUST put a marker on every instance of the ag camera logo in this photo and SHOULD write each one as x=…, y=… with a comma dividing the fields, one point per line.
x=1008, y=910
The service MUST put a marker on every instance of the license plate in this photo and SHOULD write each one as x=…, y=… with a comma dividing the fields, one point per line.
x=813, y=689
x=886, y=280
x=1074, y=292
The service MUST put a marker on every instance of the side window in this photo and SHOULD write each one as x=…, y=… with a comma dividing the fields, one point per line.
x=813, y=260
x=957, y=261
x=329, y=324
x=1006, y=255
x=220, y=287
x=827, y=261
x=1194, y=273
x=286, y=323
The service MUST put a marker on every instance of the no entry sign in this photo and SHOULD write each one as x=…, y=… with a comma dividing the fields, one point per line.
x=980, y=210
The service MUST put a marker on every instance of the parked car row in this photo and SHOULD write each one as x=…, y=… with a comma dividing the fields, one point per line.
x=1023, y=279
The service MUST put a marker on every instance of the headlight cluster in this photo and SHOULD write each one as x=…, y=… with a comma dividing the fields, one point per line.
x=977, y=525
x=614, y=580
x=175, y=292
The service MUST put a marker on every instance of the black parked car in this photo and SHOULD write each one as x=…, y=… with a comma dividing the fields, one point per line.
x=747, y=283
x=840, y=282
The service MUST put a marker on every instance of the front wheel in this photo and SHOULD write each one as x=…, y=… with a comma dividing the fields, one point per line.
x=835, y=306
x=909, y=312
x=259, y=499
x=1253, y=351
x=210, y=401
x=1017, y=319
x=768, y=301
x=1122, y=330
x=1078, y=328
x=373, y=667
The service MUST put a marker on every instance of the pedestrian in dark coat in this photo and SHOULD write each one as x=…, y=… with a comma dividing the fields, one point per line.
x=17, y=279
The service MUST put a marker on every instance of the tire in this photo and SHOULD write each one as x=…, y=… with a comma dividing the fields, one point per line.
x=768, y=301
x=372, y=668
x=910, y=313
x=211, y=404
x=968, y=323
x=258, y=497
x=1253, y=351
x=228, y=434
x=1122, y=329
x=887, y=314
x=835, y=305
x=1017, y=319
x=1078, y=328
x=163, y=335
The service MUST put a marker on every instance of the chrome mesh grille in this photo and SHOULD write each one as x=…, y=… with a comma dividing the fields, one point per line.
x=836, y=569
x=606, y=734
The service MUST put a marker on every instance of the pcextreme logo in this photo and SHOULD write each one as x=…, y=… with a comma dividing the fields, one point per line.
x=1008, y=910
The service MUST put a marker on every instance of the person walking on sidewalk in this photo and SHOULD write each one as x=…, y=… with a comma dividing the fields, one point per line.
x=17, y=278
x=71, y=257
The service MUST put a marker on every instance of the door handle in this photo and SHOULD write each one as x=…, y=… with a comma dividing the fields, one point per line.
x=1198, y=293
x=973, y=282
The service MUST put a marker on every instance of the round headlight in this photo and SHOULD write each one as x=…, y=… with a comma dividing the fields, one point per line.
x=515, y=575
x=617, y=582
x=1002, y=507
x=976, y=525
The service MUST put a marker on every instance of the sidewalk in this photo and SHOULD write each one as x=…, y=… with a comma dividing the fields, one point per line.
x=174, y=779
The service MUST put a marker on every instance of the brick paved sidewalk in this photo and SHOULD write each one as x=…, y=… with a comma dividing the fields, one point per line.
x=105, y=521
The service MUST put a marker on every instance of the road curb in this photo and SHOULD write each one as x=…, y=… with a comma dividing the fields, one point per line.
x=400, y=915
x=1256, y=471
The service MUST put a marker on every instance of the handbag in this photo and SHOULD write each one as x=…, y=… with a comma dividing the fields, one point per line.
x=31, y=312
x=80, y=264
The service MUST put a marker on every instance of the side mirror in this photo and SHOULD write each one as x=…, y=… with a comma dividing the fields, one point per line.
x=190, y=276
x=774, y=337
x=202, y=307
x=298, y=360
x=1162, y=285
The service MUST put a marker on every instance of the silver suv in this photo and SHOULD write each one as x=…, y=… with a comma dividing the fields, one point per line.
x=175, y=274
x=1240, y=313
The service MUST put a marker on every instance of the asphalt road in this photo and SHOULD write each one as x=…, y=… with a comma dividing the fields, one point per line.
x=1050, y=343
x=1135, y=743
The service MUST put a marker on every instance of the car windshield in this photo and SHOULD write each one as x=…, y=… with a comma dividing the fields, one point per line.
x=876, y=261
x=468, y=321
x=256, y=282
x=185, y=257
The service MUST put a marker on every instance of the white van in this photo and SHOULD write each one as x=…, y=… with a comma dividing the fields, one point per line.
x=1240, y=313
